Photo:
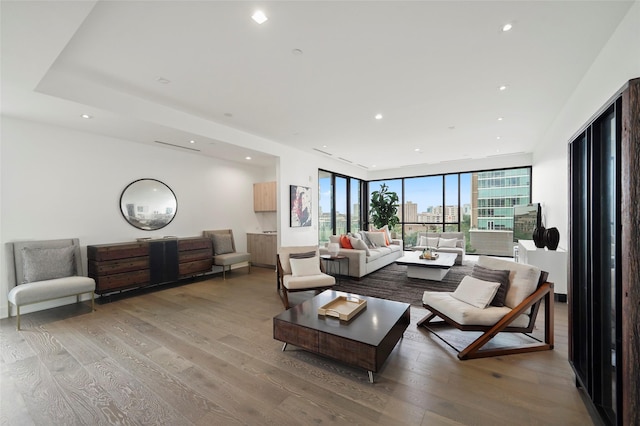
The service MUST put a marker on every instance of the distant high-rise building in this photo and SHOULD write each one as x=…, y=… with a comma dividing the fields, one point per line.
x=493, y=195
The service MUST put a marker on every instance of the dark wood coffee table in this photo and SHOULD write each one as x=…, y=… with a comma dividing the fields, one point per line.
x=365, y=341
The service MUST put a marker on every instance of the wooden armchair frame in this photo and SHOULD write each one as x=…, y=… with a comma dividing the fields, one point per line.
x=283, y=291
x=543, y=292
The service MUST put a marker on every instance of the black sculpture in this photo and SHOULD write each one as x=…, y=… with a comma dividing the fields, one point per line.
x=539, y=232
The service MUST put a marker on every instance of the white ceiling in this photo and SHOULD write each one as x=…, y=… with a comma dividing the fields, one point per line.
x=432, y=69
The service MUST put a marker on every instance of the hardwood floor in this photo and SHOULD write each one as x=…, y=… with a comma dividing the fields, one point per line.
x=204, y=354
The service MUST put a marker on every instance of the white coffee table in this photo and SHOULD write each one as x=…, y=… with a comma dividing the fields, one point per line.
x=434, y=270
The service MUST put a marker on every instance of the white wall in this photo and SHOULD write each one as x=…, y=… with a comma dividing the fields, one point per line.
x=618, y=62
x=58, y=183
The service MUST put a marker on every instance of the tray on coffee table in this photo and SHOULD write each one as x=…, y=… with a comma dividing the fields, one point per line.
x=343, y=307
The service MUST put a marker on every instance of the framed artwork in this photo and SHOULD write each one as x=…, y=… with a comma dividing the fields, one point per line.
x=300, y=206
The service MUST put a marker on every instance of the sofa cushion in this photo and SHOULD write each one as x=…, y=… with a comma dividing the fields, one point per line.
x=222, y=243
x=523, y=279
x=475, y=292
x=384, y=229
x=359, y=244
x=450, y=243
x=377, y=239
x=305, y=267
x=494, y=275
x=309, y=281
x=465, y=314
x=286, y=252
x=40, y=264
x=432, y=241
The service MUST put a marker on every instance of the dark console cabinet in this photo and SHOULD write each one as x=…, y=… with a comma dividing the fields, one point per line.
x=122, y=266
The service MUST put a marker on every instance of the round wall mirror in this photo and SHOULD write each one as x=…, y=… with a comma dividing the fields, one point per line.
x=148, y=204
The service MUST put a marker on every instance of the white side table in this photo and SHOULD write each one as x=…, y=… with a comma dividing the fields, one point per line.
x=552, y=261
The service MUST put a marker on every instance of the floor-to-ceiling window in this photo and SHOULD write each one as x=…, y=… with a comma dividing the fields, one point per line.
x=340, y=204
x=479, y=204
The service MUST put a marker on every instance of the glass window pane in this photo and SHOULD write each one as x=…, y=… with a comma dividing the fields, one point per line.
x=341, y=205
x=325, y=213
x=355, y=205
x=451, y=201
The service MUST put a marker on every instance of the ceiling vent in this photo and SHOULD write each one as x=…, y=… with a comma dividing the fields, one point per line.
x=324, y=152
x=177, y=146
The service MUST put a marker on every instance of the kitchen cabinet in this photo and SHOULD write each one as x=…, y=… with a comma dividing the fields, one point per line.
x=264, y=197
x=263, y=248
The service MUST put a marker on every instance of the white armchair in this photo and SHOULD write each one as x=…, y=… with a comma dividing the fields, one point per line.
x=300, y=269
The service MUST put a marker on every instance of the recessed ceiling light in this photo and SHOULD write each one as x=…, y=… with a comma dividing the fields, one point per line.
x=498, y=137
x=417, y=149
x=502, y=88
x=86, y=116
x=192, y=141
x=259, y=17
x=499, y=118
x=163, y=80
x=507, y=27
x=324, y=146
x=378, y=117
x=373, y=165
x=247, y=158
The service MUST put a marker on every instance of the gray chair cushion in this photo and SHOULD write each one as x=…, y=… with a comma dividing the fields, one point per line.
x=41, y=291
x=222, y=244
x=40, y=264
x=231, y=258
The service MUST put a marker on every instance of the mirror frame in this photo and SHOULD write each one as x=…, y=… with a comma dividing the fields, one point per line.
x=141, y=184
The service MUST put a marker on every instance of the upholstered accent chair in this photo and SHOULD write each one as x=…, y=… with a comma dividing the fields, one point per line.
x=45, y=270
x=224, y=250
x=299, y=268
x=520, y=288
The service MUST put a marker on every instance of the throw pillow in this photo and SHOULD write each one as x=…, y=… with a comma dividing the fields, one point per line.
x=303, y=255
x=344, y=242
x=359, y=244
x=475, y=292
x=422, y=241
x=377, y=239
x=334, y=239
x=222, y=244
x=40, y=264
x=494, y=275
x=443, y=242
x=384, y=229
x=305, y=267
x=367, y=240
x=432, y=241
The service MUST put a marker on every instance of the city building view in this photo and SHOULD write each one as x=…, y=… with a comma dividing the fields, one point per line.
x=479, y=204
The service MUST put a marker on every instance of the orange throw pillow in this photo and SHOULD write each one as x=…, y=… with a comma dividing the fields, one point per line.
x=344, y=242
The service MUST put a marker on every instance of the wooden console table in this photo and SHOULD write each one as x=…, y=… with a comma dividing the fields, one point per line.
x=121, y=266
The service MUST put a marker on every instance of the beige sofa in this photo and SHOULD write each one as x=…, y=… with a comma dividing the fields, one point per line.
x=361, y=263
x=442, y=242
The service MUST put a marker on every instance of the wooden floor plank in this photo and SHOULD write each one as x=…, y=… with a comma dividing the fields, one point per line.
x=203, y=353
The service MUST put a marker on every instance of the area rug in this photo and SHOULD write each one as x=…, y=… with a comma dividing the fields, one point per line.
x=391, y=283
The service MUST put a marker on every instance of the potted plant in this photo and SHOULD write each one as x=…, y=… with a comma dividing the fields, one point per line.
x=383, y=207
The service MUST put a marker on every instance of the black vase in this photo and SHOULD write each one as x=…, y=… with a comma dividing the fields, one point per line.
x=552, y=238
x=539, y=236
